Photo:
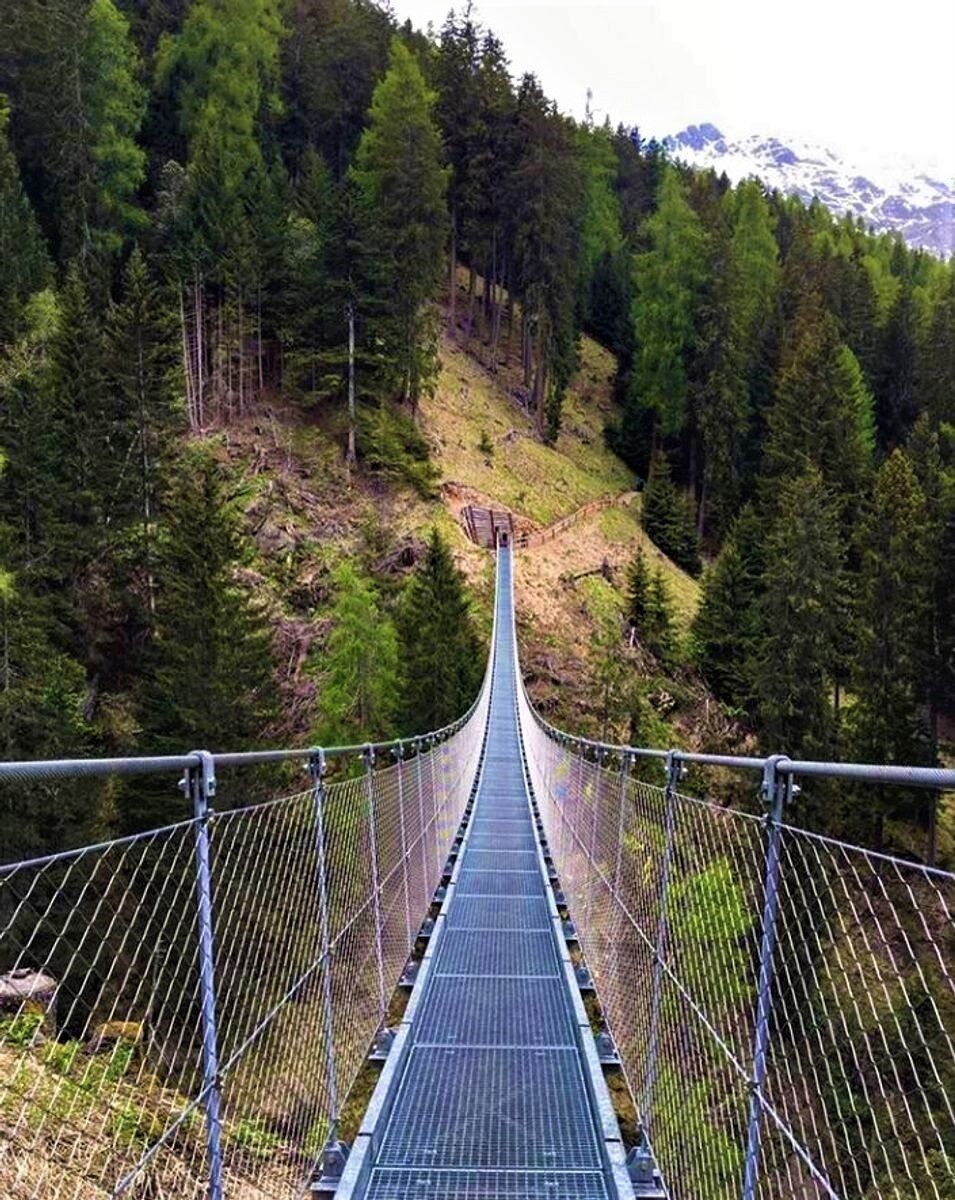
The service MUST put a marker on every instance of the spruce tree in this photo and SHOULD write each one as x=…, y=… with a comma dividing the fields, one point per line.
x=801, y=615
x=79, y=105
x=24, y=265
x=544, y=198
x=895, y=601
x=822, y=414
x=359, y=684
x=402, y=183
x=441, y=654
x=210, y=682
x=668, y=278
x=935, y=370
x=638, y=591
x=140, y=368
x=660, y=633
x=116, y=105
x=668, y=517
x=725, y=626
x=895, y=389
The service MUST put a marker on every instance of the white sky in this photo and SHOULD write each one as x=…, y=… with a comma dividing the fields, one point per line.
x=867, y=78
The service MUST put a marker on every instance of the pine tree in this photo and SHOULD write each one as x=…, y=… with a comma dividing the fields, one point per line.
x=935, y=369
x=544, y=198
x=402, y=183
x=359, y=688
x=725, y=626
x=890, y=714
x=440, y=651
x=660, y=633
x=116, y=105
x=334, y=55
x=24, y=265
x=82, y=105
x=668, y=278
x=458, y=111
x=668, y=517
x=210, y=684
x=801, y=619
x=745, y=301
x=220, y=73
x=895, y=394
x=638, y=591
x=141, y=364
x=822, y=414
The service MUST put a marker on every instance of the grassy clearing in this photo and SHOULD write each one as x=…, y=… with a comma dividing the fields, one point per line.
x=471, y=412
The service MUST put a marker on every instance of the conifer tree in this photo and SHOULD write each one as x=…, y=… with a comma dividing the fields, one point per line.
x=440, y=651
x=660, y=634
x=890, y=715
x=801, y=619
x=668, y=278
x=668, y=518
x=458, y=110
x=116, y=105
x=334, y=55
x=822, y=414
x=24, y=265
x=402, y=183
x=935, y=373
x=210, y=682
x=359, y=689
x=725, y=626
x=544, y=196
x=638, y=591
x=895, y=389
x=141, y=364
x=80, y=106
x=88, y=458
x=221, y=74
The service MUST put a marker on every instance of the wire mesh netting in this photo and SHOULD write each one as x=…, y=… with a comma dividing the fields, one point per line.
x=316, y=900
x=668, y=893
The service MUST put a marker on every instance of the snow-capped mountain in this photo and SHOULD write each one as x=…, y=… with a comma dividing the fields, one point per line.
x=891, y=195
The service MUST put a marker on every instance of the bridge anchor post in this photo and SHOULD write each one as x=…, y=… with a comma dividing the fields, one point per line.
x=199, y=785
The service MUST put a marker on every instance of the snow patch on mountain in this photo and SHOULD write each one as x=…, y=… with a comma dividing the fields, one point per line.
x=888, y=194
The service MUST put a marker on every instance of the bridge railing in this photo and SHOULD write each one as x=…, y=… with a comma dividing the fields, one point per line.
x=783, y=1003
x=183, y=1011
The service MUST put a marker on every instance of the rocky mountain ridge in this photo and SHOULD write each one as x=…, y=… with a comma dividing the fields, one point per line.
x=893, y=195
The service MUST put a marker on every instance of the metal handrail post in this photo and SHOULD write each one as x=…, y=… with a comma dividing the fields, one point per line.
x=369, y=757
x=421, y=821
x=777, y=790
x=399, y=752
x=199, y=785
x=316, y=769
x=675, y=771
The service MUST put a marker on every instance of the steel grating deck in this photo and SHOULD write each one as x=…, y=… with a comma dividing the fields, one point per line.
x=493, y=1098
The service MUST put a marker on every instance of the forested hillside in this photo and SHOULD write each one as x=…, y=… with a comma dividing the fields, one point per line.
x=205, y=203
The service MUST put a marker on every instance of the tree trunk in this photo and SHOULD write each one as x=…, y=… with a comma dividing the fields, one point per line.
x=472, y=296
x=200, y=382
x=187, y=364
x=496, y=330
x=351, y=457
x=453, y=281
x=258, y=335
x=145, y=480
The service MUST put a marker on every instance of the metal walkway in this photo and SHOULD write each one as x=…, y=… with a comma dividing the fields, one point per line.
x=493, y=1088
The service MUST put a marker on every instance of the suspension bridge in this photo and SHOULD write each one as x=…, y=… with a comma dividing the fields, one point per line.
x=583, y=977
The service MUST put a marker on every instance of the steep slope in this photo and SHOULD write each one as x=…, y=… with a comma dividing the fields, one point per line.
x=889, y=196
x=304, y=515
